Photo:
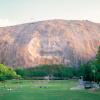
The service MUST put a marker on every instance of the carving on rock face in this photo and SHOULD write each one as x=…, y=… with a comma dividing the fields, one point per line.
x=49, y=42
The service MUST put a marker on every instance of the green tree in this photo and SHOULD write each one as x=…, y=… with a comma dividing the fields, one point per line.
x=87, y=72
x=97, y=64
x=7, y=73
x=20, y=71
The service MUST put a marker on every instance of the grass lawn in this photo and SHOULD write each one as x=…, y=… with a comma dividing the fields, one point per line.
x=43, y=90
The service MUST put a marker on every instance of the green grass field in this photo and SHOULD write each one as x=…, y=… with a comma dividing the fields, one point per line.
x=43, y=90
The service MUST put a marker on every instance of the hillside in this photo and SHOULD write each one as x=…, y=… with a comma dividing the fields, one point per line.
x=71, y=42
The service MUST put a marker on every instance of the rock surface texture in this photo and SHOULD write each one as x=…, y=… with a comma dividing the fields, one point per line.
x=71, y=42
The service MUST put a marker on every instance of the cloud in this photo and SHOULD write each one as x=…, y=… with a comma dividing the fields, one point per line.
x=6, y=22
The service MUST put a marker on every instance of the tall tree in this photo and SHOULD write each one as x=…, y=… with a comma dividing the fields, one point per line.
x=97, y=63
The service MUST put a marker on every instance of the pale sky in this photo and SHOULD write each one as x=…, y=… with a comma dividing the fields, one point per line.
x=22, y=11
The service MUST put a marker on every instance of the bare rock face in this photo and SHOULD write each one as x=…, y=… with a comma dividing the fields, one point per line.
x=49, y=42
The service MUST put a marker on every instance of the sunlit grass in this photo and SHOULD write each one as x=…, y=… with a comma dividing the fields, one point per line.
x=44, y=90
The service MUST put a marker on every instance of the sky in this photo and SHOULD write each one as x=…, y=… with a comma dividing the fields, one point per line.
x=22, y=11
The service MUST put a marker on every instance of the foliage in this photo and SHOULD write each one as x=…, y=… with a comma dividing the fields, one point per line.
x=7, y=73
x=97, y=64
x=91, y=70
x=63, y=72
x=59, y=71
x=86, y=72
x=20, y=71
